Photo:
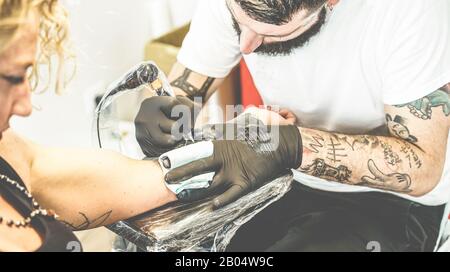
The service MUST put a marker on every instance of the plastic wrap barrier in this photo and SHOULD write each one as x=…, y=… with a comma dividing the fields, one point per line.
x=195, y=227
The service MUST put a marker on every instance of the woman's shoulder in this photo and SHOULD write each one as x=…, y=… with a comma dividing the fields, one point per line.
x=17, y=152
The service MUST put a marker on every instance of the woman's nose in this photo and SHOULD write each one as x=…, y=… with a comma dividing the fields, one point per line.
x=249, y=41
x=22, y=100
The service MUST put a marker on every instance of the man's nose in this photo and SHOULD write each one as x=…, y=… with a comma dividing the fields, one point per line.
x=249, y=41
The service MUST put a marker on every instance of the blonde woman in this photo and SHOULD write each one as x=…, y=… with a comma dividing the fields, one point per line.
x=84, y=188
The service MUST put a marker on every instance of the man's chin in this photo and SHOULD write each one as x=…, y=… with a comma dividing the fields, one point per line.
x=274, y=53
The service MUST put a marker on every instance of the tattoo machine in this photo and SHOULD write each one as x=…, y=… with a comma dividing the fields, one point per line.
x=144, y=75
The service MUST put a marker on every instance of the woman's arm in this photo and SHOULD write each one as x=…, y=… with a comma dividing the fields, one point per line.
x=92, y=188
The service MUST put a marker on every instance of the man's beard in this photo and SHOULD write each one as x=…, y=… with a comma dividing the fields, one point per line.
x=287, y=47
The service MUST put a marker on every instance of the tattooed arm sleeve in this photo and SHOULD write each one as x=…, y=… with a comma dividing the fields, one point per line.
x=92, y=188
x=191, y=84
x=410, y=159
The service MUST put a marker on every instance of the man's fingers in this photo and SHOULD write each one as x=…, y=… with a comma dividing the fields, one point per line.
x=184, y=100
x=172, y=109
x=167, y=104
x=232, y=194
x=289, y=116
x=197, y=194
x=156, y=133
x=190, y=170
x=194, y=194
x=164, y=139
x=177, y=128
x=217, y=182
x=166, y=126
x=155, y=138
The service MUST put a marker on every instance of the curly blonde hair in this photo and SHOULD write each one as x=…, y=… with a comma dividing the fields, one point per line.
x=53, y=50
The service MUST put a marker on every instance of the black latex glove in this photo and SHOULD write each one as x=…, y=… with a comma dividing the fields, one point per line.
x=241, y=167
x=154, y=123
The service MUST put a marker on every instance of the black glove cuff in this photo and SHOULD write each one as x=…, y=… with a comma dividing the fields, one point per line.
x=290, y=147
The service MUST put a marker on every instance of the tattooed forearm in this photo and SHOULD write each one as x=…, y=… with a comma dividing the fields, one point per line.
x=423, y=108
x=183, y=83
x=87, y=223
x=394, y=182
x=380, y=162
x=407, y=156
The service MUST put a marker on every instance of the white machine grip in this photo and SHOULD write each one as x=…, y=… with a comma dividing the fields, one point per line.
x=184, y=155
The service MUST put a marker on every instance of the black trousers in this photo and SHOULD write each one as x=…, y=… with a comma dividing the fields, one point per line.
x=306, y=219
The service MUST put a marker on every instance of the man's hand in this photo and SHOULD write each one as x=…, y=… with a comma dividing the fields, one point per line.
x=242, y=166
x=155, y=123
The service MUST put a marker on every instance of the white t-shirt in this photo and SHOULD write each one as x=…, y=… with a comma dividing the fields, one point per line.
x=369, y=53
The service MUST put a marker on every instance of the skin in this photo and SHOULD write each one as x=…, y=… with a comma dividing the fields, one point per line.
x=86, y=188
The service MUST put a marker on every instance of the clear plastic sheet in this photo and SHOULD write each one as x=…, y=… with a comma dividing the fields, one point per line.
x=177, y=227
x=195, y=226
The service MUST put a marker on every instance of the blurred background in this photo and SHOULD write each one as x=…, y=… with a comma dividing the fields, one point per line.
x=109, y=37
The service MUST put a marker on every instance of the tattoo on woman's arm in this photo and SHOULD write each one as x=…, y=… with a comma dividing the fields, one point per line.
x=88, y=223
